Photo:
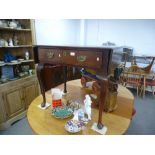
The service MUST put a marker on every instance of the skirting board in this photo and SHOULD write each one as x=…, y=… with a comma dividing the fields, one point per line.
x=7, y=124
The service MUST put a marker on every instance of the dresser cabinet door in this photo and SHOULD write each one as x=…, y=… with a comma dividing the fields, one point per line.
x=2, y=110
x=30, y=92
x=14, y=101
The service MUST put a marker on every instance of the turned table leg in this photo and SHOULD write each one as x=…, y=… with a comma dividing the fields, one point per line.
x=40, y=69
x=65, y=78
x=103, y=93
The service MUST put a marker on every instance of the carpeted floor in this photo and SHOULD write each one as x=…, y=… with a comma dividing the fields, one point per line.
x=143, y=122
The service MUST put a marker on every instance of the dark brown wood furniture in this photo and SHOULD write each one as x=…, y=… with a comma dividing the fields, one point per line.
x=102, y=60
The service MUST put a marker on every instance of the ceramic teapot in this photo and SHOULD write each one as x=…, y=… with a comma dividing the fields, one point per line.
x=3, y=23
x=13, y=24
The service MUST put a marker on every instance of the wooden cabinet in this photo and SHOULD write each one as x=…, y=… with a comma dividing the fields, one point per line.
x=15, y=97
x=14, y=101
x=2, y=110
x=30, y=92
x=18, y=82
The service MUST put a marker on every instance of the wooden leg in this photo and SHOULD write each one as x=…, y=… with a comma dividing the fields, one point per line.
x=141, y=90
x=40, y=69
x=137, y=90
x=103, y=93
x=152, y=90
x=144, y=86
x=65, y=79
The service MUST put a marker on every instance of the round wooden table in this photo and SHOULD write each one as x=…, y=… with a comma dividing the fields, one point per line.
x=117, y=122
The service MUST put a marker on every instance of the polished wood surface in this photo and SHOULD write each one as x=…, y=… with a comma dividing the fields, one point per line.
x=117, y=122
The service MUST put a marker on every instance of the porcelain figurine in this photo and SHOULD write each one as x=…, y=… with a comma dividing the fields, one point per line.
x=27, y=55
x=79, y=115
x=10, y=42
x=76, y=117
x=15, y=40
x=87, y=106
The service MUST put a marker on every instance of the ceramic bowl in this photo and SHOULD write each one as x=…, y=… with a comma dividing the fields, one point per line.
x=13, y=24
x=3, y=80
x=62, y=112
x=73, y=126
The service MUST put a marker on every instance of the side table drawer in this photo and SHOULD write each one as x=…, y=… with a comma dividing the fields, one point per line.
x=50, y=55
x=69, y=57
x=89, y=58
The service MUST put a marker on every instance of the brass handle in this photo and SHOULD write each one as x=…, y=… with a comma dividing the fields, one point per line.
x=50, y=54
x=81, y=58
x=64, y=53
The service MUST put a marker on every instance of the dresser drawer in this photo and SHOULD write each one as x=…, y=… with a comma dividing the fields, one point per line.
x=69, y=57
x=89, y=58
x=50, y=55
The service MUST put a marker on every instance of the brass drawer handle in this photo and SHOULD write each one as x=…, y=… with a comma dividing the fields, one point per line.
x=50, y=55
x=64, y=53
x=81, y=58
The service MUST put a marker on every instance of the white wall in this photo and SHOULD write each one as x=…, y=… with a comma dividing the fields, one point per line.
x=139, y=34
x=57, y=32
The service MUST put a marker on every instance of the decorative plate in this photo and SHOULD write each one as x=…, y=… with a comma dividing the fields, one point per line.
x=1, y=62
x=62, y=112
x=20, y=59
x=73, y=126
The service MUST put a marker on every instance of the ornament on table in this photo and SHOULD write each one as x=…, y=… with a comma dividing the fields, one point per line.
x=62, y=112
x=74, y=126
x=87, y=106
x=56, y=97
x=79, y=115
x=76, y=118
x=73, y=105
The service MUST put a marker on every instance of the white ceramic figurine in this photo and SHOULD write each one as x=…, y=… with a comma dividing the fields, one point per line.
x=87, y=106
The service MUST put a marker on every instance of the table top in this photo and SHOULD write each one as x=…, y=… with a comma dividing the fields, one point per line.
x=117, y=122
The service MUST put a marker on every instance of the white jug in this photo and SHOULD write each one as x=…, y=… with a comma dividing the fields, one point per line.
x=56, y=94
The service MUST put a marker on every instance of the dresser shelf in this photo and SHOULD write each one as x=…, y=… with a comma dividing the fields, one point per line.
x=20, y=46
x=14, y=29
x=16, y=63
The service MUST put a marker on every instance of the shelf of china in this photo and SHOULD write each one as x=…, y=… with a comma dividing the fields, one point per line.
x=15, y=63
